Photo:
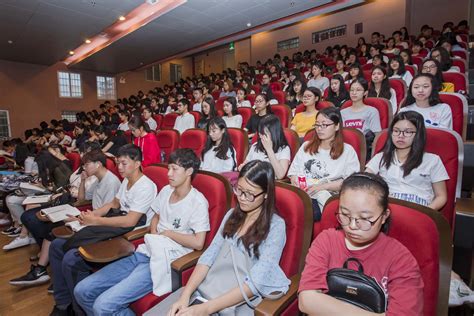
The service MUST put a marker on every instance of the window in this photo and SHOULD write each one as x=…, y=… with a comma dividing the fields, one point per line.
x=175, y=72
x=69, y=85
x=106, y=88
x=288, y=44
x=153, y=73
x=5, y=131
x=334, y=32
x=69, y=115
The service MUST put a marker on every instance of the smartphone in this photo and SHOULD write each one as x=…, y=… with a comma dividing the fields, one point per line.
x=198, y=300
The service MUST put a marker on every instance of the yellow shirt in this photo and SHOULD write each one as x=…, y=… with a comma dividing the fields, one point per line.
x=303, y=123
x=447, y=87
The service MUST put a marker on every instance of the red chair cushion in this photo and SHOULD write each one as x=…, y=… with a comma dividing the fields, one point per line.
x=293, y=141
x=458, y=79
x=110, y=165
x=283, y=112
x=240, y=140
x=168, y=120
x=382, y=105
x=159, y=119
x=458, y=105
x=251, y=98
x=400, y=89
x=75, y=160
x=197, y=116
x=194, y=138
x=168, y=141
x=279, y=96
x=460, y=63
x=246, y=113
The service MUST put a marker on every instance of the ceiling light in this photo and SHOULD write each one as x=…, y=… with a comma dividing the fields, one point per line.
x=10, y=42
x=121, y=18
x=87, y=41
x=71, y=52
x=249, y=24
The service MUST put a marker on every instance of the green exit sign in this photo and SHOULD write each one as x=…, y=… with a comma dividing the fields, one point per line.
x=231, y=46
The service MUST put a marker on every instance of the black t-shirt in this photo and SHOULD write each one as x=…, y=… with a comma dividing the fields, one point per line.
x=118, y=141
x=252, y=123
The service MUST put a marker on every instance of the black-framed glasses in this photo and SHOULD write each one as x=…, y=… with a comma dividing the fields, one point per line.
x=361, y=223
x=405, y=133
x=322, y=126
x=247, y=195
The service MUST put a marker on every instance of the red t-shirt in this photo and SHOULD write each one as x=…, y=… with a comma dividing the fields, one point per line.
x=386, y=259
x=150, y=150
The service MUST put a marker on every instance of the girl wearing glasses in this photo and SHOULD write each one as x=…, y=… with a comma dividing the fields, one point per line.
x=411, y=173
x=433, y=67
x=262, y=109
x=304, y=121
x=324, y=161
x=219, y=155
x=253, y=228
x=424, y=99
x=364, y=217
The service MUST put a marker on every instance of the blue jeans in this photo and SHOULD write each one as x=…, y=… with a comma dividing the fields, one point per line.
x=110, y=290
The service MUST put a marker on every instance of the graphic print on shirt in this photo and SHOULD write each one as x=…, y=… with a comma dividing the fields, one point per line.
x=316, y=169
x=177, y=223
x=355, y=123
x=433, y=119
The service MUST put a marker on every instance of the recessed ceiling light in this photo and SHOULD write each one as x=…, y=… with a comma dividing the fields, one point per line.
x=71, y=52
x=87, y=41
x=10, y=42
x=121, y=18
x=249, y=24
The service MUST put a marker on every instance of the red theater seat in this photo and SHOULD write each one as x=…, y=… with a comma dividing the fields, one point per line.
x=112, y=166
x=283, y=112
x=293, y=141
x=448, y=146
x=220, y=104
x=159, y=119
x=197, y=117
x=459, y=109
x=75, y=160
x=400, y=88
x=215, y=95
x=432, y=249
x=168, y=141
x=417, y=60
x=194, y=138
x=458, y=79
x=461, y=63
x=461, y=54
x=411, y=69
x=251, y=98
x=240, y=140
x=276, y=86
x=321, y=105
x=279, y=96
x=382, y=105
x=168, y=120
x=246, y=113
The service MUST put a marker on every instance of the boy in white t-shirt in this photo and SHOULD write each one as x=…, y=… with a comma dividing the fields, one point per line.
x=185, y=120
x=179, y=225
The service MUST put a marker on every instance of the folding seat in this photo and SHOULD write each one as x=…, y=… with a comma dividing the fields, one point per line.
x=112, y=166
x=461, y=54
x=168, y=141
x=461, y=63
x=448, y=146
x=432, y=250
x=246, y=113
x=400, y=88
x=194, y=138
x=159, y=119
x=464, y=45
x=382, y=105
x=411, y=69
x=197, y=117
x=459, y=108
x=168, y=120
x=458, y=79
x=220, y=104
x=321, y=105
x=424, y=52
x=256, y=88
x=293, y=141
x=279, y=96
x=251, y=98
x=276, y=86
x=215, y=95
x=128, y=136
x=258, y=78
x=367, y=67
x=464, y=37
x=75, y=160
x=367, y=74
x=240, y=139
x=429, y=44
x=417, y=60
x=362, y=60
x=283, y=112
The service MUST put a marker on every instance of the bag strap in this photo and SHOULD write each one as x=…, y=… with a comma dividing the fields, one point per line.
x=247, y=300
x=360, y=267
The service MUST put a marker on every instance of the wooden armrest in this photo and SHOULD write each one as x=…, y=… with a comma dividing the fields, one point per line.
x=275, y=307
x=83, y=203
x=62, y=232
x=465, y=206
x=137, y=233
x=285, y=180
x=42, y=217
x=107, y=251
x=186, y=261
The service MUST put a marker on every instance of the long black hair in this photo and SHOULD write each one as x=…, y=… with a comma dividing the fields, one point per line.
x=415, y=156
x=384, y=88
x=47, y=163
x=401, y=66
x=438, y=76
x=271, y=125
x=233, y=104
x=434, y=96
x=137, y=122
x=341, y=96
x=212, y=108
x=224, y=145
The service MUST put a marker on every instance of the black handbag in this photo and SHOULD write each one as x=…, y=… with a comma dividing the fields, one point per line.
x=356, y=288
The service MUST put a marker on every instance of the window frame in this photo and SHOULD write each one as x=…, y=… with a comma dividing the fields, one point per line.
x=73, y=91
x=287, y=44
x=108, y=93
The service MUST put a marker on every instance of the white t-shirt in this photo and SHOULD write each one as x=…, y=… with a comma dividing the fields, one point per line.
x=321, y=83
x=416, y=187
x=139, y=197
x=233, y=121
x=244, y=104
x=322, y=166
x=393, y=101
x=123, y=127
x=103, y=191
x=217, y=165
x=184, y=122
x=197, y=107
x=282, y=154
x=407, y=77
x=152, y=124
x=438, y=115
x=67, y=140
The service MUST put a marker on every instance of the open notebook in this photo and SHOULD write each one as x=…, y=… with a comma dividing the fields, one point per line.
x=59, y=213
x=37, y=199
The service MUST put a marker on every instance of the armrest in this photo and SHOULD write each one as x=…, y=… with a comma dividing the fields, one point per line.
x=137, y=233
x=186, y=261
x=62, y=232
x=83, y=203
x=107, y=251
x=275, y=307
x=41, y=217
x=465, y=206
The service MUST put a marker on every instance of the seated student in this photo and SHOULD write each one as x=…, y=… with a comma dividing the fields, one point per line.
x=198, y=98
x=227, y=89
x=337, y=93
x=442, y=56
x=340, y=68
x=406, y=57
x=304, y=121
x=53, y=174
x=380, y=87
x=324, y=161
x=355, y=72
x=317, y=80
x=397, y=69
x=63, y=139
x=391, y=49
x=179, y=225
x=185, y=120
x=145, y=140
x=295, y=93
x=375, y=50
x=262, y=109
x=269, y=93
x=110, y=144
x=124, y=118
x=231, y=117
x=424, y=98
x=219, y=154
x=100, y=192
x=81, y=135
x=208, y=112
x=364, y=217
x=433, y=67
x=241, y=101
x=130, y=208
x=399, y=39
x=255, y=231
x=148, y=116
